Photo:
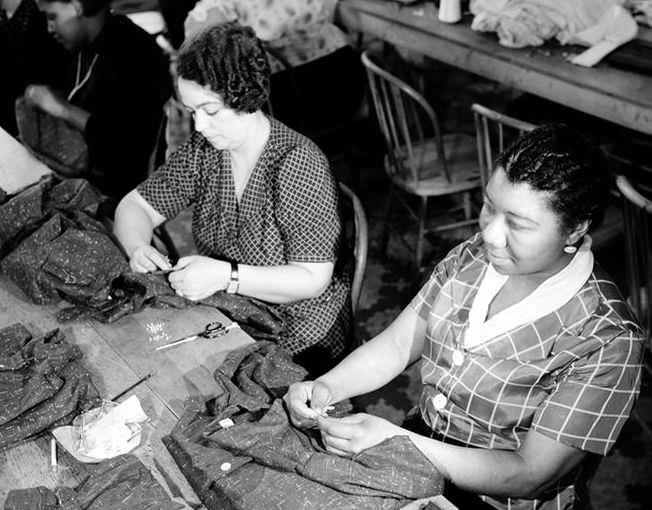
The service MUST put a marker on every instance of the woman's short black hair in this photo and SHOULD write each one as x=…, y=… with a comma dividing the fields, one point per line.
x=89, y=7
x=559, y=161
x=231, y=60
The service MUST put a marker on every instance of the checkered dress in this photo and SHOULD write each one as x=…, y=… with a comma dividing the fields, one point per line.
x=572, y=375
x=288, y=212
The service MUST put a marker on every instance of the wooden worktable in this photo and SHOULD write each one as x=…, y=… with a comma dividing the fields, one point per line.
x=613, y=94
x=117, y=355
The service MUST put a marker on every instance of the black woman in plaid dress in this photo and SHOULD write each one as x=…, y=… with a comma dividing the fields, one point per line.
x=530, y=357
x=265, y=218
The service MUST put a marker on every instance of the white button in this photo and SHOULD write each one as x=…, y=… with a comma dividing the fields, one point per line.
x=225, y=466
x=439, y=401
x=458, y=358
x=226, y=423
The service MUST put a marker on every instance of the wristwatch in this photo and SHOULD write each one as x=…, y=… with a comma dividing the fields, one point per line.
x=234, y=280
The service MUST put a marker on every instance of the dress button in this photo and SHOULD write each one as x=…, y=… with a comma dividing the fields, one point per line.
x=439, y=401
x=225, y=466
x=458, y=358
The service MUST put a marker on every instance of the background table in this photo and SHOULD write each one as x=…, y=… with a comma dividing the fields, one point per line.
x=614, y=94
x=117, y=355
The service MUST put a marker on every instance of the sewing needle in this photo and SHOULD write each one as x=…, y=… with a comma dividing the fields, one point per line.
x=139, y=381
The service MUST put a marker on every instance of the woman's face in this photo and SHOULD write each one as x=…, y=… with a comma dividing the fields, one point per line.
x=521, y=232
x=224, y=127
x=64, y=22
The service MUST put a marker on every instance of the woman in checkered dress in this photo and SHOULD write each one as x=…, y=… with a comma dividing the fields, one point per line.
x=531, y=359
x=265, y=218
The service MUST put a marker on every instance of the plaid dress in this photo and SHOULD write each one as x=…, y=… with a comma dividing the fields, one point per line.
x=572, y=375
x=288, y=212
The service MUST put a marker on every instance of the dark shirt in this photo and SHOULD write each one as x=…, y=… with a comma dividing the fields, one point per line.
x=124, y=94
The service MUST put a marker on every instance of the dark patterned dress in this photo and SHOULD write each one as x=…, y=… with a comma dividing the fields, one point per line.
x=288, y=213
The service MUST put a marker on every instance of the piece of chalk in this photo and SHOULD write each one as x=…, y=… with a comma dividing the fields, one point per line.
x=53, y=454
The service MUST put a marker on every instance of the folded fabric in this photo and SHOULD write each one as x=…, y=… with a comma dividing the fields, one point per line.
x=240, y=451
x=42, y=383
x=72, y=257
x=122, y=483
x=131, y=292
x=58, y=144
x=521, y=23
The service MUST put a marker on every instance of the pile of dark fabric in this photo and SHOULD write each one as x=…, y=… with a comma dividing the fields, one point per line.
x=131, y=292
x=122, y=483
x=42, y=383
x=258, y=459
x=53, y=246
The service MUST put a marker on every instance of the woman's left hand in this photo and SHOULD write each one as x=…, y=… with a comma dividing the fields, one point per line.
x=196, y=277
x=47, y=100
x=352, y=434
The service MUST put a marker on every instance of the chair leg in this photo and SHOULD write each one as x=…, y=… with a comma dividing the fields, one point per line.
x=468, y=209
x=387, y=218
x=423, y=214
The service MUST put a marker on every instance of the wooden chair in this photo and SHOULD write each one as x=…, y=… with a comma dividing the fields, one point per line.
x=420, y=161
x=494, y=132
x=358, y=238
x=637, y=210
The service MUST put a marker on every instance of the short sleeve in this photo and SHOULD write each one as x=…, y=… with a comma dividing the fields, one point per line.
x=422, y=302
x=594, y=397
x=172, y=187
x=308, y=206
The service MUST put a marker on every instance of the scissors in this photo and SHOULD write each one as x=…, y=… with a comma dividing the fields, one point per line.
x=212, y=330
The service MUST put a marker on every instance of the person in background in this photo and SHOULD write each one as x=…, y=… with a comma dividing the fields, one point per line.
x=265, y=218
x=116, y=84
x=530, y=357
x=28, y=53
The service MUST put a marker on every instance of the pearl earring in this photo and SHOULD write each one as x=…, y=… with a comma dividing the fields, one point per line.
x=570, y=249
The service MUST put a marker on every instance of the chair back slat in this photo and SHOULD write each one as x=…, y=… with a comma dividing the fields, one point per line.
x=494, y=132
x=637, y=209
x=406, y=121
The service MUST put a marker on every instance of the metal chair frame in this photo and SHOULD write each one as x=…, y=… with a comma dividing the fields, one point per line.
x=420, y=161
x=490, y=127
x=637, y=210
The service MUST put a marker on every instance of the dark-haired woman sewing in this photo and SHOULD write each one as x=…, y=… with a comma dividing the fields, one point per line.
x=265, y=217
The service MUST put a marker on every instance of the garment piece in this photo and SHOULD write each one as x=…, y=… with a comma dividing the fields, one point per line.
x=131, y=292
x=521, y=23
x=572, y=375
x=42, y=383
x=127, y=88
x=262, y=461
x=122, y=483
x=276, y=222
x=70, y=256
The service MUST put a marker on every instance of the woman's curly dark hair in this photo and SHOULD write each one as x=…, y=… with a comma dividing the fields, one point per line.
x=556, y=159
x=231, y=60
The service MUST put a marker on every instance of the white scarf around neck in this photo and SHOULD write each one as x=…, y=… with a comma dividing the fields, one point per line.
x=552, y=294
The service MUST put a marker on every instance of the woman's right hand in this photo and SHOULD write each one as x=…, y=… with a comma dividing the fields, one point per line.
x=146, y=259
x=306, y=401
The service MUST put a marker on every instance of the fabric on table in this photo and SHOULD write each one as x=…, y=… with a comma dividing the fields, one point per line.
x=54, y=141
x=42, y=383
x=71, y=256
x=122, y=483
x=275, y=222
x=263, y=461
x=572, y=374
x=131, y=292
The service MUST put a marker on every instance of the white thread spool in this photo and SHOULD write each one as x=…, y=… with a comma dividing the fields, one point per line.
x=450, y=11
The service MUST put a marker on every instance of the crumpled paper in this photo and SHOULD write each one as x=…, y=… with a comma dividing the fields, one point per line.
x=104, y=432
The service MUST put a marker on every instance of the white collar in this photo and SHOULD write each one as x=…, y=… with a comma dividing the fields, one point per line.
x=552, y=294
